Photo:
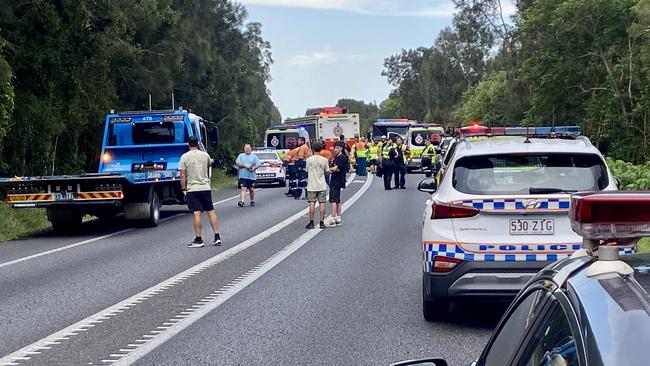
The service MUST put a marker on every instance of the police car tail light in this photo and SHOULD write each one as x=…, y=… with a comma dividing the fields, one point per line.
x=444, y=264
x=450, y=211
x=614, y=215
x=106, y=158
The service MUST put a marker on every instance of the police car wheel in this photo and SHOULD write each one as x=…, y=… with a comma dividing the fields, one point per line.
x=435, y=310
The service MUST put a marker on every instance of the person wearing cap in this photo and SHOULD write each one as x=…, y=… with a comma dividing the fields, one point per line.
x=196, y=186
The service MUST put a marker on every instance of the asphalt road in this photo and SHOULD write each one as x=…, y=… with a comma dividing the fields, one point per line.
x=273, y=294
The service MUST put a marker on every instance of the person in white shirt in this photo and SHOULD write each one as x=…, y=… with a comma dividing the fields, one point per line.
x=317, y=168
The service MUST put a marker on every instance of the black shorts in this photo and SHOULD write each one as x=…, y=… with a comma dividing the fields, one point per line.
x=374, y=162
x=248, y=183
x=335, y=195
x=199, y=201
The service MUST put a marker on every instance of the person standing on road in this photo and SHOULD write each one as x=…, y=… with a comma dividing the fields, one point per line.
x=400, y=160
x=247, y=162
x=317, y=168
x=339, y=169
x=373, y=157
x=290, y=160
x=196, y=186
x=388, y=154
x=362, y=157
x=302, y=153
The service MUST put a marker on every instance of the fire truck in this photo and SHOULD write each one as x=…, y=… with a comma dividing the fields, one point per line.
x=327, y=124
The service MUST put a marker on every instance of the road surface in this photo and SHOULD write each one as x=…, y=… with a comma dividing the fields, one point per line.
x=273, y=294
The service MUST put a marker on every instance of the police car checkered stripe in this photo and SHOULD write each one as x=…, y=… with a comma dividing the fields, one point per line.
x=455, y=251
x=516, y=204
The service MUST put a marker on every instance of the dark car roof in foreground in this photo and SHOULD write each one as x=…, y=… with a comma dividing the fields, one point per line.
x=615, y=313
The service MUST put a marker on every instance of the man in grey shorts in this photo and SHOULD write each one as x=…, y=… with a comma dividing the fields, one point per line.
x=317, y=167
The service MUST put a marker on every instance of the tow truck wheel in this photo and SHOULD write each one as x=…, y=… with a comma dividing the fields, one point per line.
x=435, y=310
x=154, y=209
x=64, y=221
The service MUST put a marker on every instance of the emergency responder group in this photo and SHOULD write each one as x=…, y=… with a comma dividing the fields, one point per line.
x=387, y=158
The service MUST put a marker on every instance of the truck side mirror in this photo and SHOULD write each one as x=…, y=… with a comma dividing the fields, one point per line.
x=213, y=136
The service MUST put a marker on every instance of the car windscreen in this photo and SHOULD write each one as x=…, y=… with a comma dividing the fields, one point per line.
x=282, y=140
x=154, y=133
x=418, y=137
x=529, y=173
x=267, y=156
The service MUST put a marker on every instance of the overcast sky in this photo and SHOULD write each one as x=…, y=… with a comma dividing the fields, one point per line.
x=330, y=49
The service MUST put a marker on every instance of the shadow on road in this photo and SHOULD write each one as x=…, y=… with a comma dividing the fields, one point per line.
x=477, y=315
x=95, y=227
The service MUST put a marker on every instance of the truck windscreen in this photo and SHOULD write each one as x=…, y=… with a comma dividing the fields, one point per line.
x=154, y=133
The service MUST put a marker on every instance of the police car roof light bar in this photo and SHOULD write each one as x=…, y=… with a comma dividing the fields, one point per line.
x=557, y=131
x=612, y=215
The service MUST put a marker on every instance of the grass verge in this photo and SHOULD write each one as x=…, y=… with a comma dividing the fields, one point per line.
x=19, y=223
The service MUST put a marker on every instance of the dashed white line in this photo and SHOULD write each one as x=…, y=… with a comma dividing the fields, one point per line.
x=105, y=314
x=266, y=266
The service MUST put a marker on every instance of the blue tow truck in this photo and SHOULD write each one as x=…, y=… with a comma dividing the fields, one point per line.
x=138, y=171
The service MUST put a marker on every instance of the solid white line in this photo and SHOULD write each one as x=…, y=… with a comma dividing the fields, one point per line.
x=267, y=266
x=92, y=240
x=158, y=288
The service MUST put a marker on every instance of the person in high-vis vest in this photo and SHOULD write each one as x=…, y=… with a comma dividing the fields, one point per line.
x=361, y=151
x=388, y=155
x=373, y=157
x=428, y=154
x=401, y=162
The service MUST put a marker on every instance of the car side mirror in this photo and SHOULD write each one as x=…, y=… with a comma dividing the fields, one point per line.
x=438, y=150
x=618, y=182
x=423, y=362
x=428, y=185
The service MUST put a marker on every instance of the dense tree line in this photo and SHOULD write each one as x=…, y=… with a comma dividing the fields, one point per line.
x=583, y=62
x=64, y=64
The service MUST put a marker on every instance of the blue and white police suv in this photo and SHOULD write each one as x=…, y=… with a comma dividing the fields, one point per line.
x=499, y=213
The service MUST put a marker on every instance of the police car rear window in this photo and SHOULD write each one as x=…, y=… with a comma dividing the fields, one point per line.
x=529, y=173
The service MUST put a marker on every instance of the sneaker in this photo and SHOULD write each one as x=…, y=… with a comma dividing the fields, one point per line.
x=322, y=225
x=217, y=240
x=252, y=203
x=196, y=243
x=330, y=221
x=338, y=221
x=241, y=204
x=310, y=225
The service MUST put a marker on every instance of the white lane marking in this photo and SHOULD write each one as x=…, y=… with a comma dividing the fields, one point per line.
x=92, y=240
x=263, y=268
x=160, y=287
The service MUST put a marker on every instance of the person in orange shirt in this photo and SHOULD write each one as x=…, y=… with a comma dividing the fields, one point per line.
x=302, y=153
x=290, y=159
x=326, y=153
